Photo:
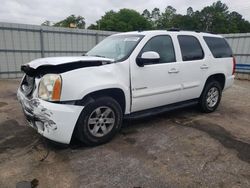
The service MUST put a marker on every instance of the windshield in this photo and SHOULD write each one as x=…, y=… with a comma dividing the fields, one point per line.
x=116, y=47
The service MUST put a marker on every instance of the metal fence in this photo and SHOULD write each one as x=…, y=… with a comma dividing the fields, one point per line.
x=20, y=43
x=240, y=44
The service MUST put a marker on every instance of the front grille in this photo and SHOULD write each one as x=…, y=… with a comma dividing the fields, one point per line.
x=28, y=85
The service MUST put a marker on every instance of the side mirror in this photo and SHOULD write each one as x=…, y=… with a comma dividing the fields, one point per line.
x=147, y=58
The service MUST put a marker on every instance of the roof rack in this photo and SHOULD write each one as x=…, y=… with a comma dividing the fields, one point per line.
x=140, y=30
x=178, y=29
x=173, y=29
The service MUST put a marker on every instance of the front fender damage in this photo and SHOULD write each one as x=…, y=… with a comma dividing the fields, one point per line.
x=54, y=121
x=42, y=114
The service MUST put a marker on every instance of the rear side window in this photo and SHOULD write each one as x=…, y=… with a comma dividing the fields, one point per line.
x=190, y=48
x=219, y=47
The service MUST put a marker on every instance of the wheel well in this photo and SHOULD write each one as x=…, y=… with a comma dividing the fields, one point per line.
x=219, y=78
x=115, y=93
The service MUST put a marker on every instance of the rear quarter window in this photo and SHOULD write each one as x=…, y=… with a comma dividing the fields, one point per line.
x=190, y=48
x=219, y=47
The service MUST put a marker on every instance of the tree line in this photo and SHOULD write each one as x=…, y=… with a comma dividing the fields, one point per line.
x=215, y=18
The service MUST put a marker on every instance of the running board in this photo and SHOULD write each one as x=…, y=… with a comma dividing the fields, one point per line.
x=161, y=109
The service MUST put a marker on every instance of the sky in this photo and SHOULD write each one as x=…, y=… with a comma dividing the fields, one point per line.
x=37, y=11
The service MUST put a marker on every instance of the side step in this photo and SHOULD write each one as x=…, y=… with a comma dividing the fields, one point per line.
x=161, y=109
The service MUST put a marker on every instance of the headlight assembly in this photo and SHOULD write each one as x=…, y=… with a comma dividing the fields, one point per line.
x=50, y=87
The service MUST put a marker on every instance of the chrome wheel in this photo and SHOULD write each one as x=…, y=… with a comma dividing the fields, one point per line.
x=101, y=121
x=212, y=97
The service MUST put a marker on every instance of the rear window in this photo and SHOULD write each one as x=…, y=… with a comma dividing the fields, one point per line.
x=190, y=48
x=219, y=47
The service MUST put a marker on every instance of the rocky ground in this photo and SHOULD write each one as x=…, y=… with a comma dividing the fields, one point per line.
x=183, y=148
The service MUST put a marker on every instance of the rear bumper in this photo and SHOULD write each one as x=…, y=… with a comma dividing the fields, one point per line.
x=54, y=121
x=229, y=82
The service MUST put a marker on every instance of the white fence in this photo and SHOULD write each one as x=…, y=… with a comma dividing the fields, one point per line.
x=240, y=44
x=20, y=43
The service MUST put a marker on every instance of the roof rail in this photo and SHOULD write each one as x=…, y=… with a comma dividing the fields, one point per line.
x=177, y=29
x=173, y=29
x=140, y=30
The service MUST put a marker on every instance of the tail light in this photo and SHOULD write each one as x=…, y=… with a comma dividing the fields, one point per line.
x=234, y=65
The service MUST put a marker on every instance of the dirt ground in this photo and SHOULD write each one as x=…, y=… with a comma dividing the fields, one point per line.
x=183, y=148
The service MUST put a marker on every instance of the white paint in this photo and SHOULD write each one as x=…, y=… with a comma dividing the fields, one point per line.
x=150, y=55
x=63, y=60
x=65, y=117
x=144, y=87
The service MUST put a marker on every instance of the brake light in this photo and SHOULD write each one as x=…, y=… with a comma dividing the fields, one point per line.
x=234, y=65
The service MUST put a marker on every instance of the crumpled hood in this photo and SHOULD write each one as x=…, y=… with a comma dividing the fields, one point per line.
x=62, y=64
x=63, y=60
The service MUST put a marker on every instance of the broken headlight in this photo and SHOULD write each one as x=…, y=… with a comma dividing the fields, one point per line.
x=50, y=87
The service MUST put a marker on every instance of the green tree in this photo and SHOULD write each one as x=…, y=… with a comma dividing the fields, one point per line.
x=184, y=22
x=214, y=18
x=46, y=23
x=72, y=21
x=190, y=11
x=237, y=23
x=155, y=16
x=123, y=20
x=146, y=14
x=166, y=19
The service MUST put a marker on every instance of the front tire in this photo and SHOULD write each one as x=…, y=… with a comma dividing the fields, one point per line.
x=210, y=97
x=99, y=121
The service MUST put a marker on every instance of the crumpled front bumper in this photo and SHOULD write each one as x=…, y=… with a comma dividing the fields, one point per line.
x=52, y=120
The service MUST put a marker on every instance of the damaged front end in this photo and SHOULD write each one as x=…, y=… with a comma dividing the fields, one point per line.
x=41, y=70
x=38, y=116
x=53, y=120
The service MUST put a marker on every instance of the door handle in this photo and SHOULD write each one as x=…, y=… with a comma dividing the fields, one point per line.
x=204, y=66
x=173, y=70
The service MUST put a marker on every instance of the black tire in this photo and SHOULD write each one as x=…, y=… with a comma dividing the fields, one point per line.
x=83, y=131
x=203, y=104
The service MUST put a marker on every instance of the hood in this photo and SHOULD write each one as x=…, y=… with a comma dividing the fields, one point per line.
x=63, y=60
x=62, y=64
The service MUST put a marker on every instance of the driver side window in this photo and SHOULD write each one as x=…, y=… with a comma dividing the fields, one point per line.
x=163, y=45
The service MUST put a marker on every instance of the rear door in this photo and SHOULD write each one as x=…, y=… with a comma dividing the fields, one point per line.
x=193, y=66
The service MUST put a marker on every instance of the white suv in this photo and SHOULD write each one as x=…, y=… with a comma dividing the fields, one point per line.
x=126, y=75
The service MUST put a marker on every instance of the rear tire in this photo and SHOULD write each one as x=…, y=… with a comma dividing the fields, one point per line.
x=210, y=97
x=99, y=121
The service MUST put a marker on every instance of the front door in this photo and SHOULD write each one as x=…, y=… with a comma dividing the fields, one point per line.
x=156, y=84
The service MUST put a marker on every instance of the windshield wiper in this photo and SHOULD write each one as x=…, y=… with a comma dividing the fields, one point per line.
x=97, y=56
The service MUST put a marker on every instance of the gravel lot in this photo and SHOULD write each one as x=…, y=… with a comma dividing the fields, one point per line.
x=183, y=148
